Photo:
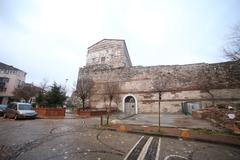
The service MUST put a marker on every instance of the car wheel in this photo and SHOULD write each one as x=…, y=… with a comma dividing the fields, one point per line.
x=16, y=117
x=4, y=115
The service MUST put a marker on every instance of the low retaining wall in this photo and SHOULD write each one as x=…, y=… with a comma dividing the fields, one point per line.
x=90, y=113
x=94, y=112
x=50, y=112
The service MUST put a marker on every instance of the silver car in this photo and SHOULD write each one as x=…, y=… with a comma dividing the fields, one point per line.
x=2, y=109
x=18, y=110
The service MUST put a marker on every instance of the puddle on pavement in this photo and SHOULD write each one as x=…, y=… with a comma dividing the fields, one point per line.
x=62, y=129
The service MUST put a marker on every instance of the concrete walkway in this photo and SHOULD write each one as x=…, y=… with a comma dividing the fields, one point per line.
x=167, y=120
x=172, y=126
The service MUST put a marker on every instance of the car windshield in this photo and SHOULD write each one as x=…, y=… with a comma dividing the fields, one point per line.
x=25, y=107
x=3, y=106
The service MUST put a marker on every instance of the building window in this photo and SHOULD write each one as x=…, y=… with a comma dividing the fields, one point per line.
x=4, y=79
x=103, y=59
x=20, y=84
x=2, y=89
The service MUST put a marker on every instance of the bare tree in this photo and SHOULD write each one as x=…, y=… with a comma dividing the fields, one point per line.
x=232, y=51
x=26, y=92
x=206, y=87
x=83, y=90
x=40, y=98
x=111, y=90
x=44, y=85
x=205, y=83
x=159, y=85
x=117, y=99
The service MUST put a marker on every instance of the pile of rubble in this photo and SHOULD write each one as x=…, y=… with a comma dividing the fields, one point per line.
x=227, y=117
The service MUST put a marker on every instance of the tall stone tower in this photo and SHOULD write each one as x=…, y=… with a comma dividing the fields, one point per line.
x=112, y=52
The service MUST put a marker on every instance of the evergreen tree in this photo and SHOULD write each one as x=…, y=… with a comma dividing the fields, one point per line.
x=55, y=97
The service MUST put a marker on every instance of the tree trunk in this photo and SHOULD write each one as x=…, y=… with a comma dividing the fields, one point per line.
x=83, y=100
x=108, y=111
x=159, y=111
x=212, y=98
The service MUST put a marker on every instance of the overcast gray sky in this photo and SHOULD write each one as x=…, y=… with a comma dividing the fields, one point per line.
x=49, y=38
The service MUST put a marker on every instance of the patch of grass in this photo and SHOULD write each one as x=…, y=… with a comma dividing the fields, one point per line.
x=211, y=132
x=156, y=133
x=103, y=127
x=96, y=126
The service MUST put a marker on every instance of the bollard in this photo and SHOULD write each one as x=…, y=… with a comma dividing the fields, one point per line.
x=122, y=128
x=101, y=120
x=185, y=133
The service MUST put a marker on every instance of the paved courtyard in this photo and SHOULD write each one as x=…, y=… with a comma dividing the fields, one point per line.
x=167, y=120
x=74, y=139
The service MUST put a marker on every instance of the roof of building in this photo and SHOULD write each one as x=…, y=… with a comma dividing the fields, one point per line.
x=4, y=66
x=33, y=86
x=107, y=40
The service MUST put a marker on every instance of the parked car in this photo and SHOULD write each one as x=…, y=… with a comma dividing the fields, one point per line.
x=18, y=110
x=2, y=109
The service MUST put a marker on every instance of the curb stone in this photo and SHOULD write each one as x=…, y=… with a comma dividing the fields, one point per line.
x=198, y=139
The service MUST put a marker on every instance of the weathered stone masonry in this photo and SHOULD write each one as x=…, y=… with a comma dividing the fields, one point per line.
x=109, y=60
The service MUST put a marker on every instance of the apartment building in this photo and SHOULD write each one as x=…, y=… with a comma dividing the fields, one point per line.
x=10, y=78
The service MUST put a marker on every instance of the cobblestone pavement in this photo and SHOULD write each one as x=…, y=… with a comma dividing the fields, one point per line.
x=51, y=139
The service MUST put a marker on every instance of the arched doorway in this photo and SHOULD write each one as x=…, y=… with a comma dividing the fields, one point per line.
x=130, y=104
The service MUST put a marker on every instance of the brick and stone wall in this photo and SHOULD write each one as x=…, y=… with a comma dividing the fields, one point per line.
x=109, y=51
x=185, y=83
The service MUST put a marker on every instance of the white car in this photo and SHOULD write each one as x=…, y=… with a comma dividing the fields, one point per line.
x=18, y=110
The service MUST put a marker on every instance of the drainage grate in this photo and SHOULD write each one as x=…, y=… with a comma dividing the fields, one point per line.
x=137, y=150
x=152, y=150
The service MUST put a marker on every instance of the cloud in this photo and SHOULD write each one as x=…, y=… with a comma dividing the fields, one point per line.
x=49, y=38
